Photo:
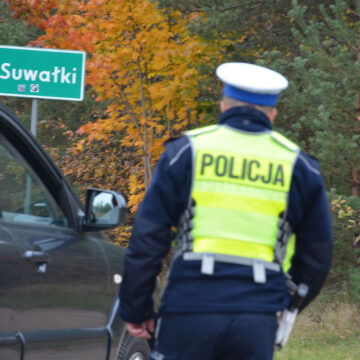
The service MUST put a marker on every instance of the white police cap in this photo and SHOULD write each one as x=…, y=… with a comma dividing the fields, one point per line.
x=251, y=83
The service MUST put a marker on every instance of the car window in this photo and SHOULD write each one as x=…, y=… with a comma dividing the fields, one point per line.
x=23, y=197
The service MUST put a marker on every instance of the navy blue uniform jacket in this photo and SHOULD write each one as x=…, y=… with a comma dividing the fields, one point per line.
x=231, y=288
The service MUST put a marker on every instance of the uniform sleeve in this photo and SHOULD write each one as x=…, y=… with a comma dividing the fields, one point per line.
x=150, y=241
x=310, y=218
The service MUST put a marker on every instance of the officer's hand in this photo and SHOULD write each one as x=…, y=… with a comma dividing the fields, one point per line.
x=142, y=330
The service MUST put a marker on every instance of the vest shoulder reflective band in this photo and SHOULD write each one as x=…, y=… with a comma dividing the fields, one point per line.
x=240, y=186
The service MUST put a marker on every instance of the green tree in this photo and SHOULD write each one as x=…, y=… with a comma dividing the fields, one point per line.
x=245, y=31
x=322, y=113
x=323, y=101
x=316, y=45
x=14, y=32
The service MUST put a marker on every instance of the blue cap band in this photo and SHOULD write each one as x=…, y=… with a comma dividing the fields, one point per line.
x=252, y=98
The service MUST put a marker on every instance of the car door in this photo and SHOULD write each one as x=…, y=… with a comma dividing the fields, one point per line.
x=65, y=301
x=11, y=296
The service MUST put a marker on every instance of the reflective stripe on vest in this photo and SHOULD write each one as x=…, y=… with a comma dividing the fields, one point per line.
x=240, y=186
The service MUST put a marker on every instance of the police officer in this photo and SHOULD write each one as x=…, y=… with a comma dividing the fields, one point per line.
x=249, y=207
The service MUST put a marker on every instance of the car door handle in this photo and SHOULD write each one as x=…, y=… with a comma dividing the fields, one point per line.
x=36, y=256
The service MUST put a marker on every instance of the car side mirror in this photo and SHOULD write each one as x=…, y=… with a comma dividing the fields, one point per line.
x=104, y=209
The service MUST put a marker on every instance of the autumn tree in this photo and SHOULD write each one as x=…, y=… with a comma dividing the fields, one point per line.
x=56, y=119
x=141, y=62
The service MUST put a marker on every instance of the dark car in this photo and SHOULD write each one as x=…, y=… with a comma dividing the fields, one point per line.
x=59, y=273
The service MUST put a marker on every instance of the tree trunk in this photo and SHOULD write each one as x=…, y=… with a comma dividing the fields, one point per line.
x=354, y=173
x=147, y=167
x=355, y=185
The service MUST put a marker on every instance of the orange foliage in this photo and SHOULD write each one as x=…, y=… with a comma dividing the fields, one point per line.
x=141, y=61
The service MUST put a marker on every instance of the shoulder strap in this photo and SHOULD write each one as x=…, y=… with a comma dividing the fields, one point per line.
x=202, y=130
x=282, y=140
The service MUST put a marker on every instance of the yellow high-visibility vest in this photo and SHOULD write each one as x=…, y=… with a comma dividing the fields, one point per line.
x=241, y=182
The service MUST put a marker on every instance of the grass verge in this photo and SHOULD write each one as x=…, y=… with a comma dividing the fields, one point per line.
x=327, y=330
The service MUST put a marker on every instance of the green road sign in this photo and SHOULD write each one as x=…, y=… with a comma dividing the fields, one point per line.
x=42, y=73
